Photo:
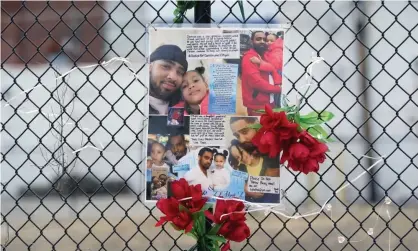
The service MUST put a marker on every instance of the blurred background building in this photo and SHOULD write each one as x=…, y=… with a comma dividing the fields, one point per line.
x=38, y=30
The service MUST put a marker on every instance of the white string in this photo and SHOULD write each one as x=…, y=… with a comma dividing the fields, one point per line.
x=85, y=147
x=390, y=219
x=308, y=77
x=269, y=209
x=374, y=226
x=125, y=61
x=297, y=215
x=37, y=111
x=85, y=129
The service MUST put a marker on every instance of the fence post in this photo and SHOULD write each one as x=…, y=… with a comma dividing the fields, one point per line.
x=202, y=12
x=202, y=16
x=362, y=36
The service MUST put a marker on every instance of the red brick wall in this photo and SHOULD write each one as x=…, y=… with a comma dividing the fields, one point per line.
x=36, y=28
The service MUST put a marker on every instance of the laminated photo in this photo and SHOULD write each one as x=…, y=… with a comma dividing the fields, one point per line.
x=206, y=86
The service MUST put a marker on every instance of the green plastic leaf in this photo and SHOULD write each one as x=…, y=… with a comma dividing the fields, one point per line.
x=330, y=140
x=254, y=126
x=303, y=125
x=318, y=132
x=192, y=235
x=216, y=238
x=175, y=227
x=282, y=109
x=214, y=230
x=206, y=207
x=190, y=5
x=241, y=7
x=261, y=111
x=183, y=208
x=181, y=3
x=178, y=20
x=313, y=118
x=199, y=222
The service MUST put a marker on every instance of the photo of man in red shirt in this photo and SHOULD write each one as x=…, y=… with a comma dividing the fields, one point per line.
x=258, y=84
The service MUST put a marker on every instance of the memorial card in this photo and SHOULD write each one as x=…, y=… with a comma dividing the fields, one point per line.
x=206, y=87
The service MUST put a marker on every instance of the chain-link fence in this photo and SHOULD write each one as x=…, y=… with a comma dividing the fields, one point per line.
x=71, y=147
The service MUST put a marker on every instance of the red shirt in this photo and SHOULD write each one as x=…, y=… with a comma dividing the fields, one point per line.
x=254, y=81
x=274, y=54
x=204, y=105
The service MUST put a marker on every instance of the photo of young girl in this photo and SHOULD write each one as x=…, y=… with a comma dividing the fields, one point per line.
x=220, y=176
x=159, y=171
x=157, y=156
x=195, y=92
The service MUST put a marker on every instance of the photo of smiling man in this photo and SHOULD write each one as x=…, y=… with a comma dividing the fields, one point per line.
x=167, y=67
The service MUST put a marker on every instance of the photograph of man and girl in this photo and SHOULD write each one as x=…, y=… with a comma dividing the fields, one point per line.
x=176, y=81
x=220, y=170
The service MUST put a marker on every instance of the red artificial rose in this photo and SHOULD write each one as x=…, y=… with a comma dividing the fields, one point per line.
x=195, y=205
x=235, y=230
x=271, y=120
x=276, y=129
x=267, y=142
x=183, y=221
x=279, y=124
x=234, y=209
x=169, y=207
x=226, y=246
x=182, y=190
x=196, y=192
x=304, y=155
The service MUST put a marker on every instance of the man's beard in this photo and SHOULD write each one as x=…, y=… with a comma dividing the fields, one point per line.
x=260, y=49
x=179, y=155
x=203, y=166
x=156, y=92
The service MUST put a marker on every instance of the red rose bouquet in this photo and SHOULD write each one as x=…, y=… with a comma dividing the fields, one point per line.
x=188, y=211
x=300, y=138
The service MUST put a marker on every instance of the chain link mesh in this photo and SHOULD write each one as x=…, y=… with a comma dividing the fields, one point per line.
x=55, y=197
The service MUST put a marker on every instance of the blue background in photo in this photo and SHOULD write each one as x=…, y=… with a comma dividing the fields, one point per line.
x=236, y=187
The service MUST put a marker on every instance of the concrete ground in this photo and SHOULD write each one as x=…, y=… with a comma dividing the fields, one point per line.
x=106, y=226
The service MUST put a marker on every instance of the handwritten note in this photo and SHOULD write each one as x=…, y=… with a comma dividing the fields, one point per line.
x=223, y=88
x=236, y=186
x=226, y=46
x=239, y=176
x=207, y=130
x=264, y=184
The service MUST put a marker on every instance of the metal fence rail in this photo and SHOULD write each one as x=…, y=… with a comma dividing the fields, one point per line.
x=55, y=197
